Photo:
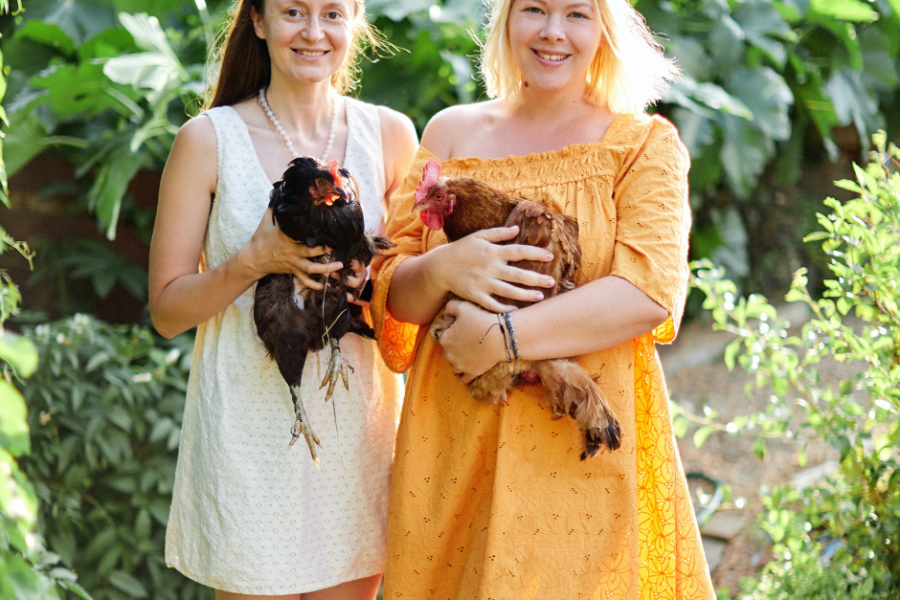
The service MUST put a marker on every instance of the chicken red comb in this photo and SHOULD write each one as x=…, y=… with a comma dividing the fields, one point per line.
x=430, y=175
x=335, y=174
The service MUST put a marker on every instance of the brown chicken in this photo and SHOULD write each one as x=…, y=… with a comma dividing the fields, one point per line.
x=463, y=205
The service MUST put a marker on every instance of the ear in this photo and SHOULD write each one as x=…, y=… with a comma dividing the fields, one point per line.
x=257, y=23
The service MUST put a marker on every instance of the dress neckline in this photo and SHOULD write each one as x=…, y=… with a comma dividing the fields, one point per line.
x=614, y=128
x=245, y=131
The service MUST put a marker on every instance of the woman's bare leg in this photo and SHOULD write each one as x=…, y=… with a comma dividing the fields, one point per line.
x=359, y=589
x=220, y=595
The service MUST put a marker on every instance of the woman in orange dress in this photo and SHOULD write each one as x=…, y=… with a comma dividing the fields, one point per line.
x=492, y=501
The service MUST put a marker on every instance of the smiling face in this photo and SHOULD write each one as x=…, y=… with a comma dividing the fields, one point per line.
x=554, y=42
x=308, y=40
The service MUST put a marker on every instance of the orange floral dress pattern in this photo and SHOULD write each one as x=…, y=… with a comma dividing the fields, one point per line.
x=492, y=502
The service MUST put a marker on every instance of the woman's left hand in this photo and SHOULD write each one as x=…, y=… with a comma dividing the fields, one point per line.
x=474, y=343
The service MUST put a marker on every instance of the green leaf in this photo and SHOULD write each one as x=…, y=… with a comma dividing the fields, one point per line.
x=13, y=424
x=744, y=154
x=767, y=96
x=47, y=34
x=149, y=70
x=19, y=352
x=680, y=426
x=731, y=351
x=759, y=448
x=142, y=525
x=128, y=584
x=853, y=103
x=107, y=44
x=109, y=188
x=817, y=235
x=79, y=19
x=726, y=42
x=397, y=11
x=23, y=142
x=845, y=10
x=760, y=22
x=77, y=590
x=812, y=98
x=701, y=434
x=73, y=89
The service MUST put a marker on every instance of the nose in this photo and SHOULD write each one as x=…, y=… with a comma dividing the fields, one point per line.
x=553, y=30
x=312, y=31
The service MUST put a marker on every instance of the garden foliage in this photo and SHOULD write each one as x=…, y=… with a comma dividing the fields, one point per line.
x=840, y=540
x=27, y=570
x=105, y=411
x=766, y=84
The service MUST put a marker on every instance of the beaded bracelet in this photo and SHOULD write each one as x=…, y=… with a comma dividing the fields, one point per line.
x=512, y=335
x=505, y=338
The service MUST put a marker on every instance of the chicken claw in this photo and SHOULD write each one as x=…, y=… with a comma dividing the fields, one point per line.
x=301, y=425
x=338, y=365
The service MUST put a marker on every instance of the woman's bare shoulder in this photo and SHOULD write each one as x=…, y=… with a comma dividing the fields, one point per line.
x=443, y=132
x=197, y=134
x=398, y=131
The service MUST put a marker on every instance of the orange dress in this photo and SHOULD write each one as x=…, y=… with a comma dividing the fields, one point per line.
x=492, y=502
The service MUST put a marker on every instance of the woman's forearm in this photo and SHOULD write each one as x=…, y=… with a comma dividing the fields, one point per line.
x=599, y=315
x=416, y=294
x=192, y=299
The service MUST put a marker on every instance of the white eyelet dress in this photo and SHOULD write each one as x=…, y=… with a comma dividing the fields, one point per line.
x=248, y=515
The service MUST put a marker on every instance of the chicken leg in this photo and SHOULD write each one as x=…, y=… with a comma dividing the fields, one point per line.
x=337, y=365
x=302, y=426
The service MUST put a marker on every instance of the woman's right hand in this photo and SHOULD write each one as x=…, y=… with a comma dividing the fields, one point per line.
x=477, y=266
x=271, y=251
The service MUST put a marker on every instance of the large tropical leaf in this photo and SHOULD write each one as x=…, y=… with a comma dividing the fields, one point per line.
x=746, y=150
x=853, y=103
x=79, y=19
x=762, y=23
x=767, y=96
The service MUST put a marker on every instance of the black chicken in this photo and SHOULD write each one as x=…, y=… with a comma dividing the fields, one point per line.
x=317, y=205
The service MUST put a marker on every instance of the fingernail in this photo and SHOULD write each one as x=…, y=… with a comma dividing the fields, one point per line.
x=549, y=283
x=548, y=256
x=538, y=297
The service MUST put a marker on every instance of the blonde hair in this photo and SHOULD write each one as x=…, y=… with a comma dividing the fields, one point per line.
x=244, y=64
x=628, y=73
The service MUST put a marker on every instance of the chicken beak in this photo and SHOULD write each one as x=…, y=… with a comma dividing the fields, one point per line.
x=417, y=208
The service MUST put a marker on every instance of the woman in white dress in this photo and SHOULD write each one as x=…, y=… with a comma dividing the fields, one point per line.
x=249, y=517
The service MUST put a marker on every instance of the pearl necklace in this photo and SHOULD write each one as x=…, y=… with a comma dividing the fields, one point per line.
x=284, y=135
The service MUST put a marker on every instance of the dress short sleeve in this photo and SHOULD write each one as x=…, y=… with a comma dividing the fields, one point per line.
x=397, y=340
x=653, y=223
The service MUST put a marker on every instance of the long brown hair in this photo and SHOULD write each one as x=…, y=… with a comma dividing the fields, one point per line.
x=246, y=66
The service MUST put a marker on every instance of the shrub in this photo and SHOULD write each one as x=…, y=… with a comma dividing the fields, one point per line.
x=840, y=540
x=105, y=413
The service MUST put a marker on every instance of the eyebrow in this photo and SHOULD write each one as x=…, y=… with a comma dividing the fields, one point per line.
x=569, y=6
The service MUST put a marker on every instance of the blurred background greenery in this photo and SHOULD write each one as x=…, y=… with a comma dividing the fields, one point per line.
x=777, y=98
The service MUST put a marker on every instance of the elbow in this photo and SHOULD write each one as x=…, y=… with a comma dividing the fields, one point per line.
x=161, y=325
x=166, y=332
x=656, y=316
